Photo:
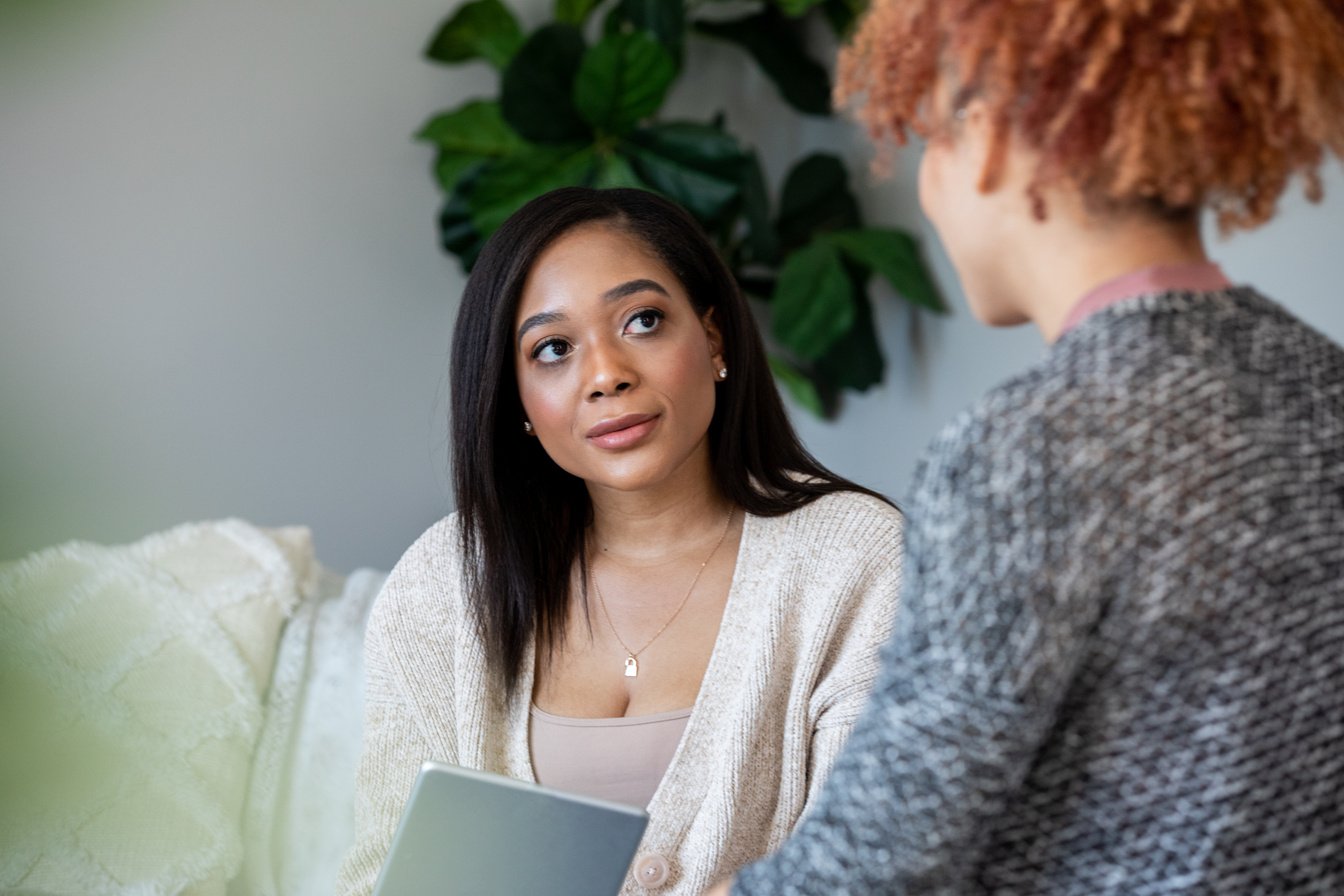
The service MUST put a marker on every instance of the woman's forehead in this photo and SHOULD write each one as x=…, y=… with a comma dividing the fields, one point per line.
x=592, y=264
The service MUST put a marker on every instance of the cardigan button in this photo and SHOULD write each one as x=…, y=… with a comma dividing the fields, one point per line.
x=651, y=870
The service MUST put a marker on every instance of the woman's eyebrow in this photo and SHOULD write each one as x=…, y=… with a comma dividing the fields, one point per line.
x=633, y=286
x=538, y=320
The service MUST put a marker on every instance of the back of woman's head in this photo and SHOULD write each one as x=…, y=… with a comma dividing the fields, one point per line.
x=1174, y=104
x=522, y=517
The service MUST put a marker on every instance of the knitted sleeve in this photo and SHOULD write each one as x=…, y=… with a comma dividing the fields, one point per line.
x=864, y=620
x=983, y=649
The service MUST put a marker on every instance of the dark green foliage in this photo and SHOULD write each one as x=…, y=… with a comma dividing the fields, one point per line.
x=773, y=42
x=816, y=198
x=813, y=305
x=697, y=165
x=571, y=112
x=854, y=361
x=895, y=255
x=574, y=12
x=483, y=29
x=537, y=90
x=663, y=20
x=621, y=81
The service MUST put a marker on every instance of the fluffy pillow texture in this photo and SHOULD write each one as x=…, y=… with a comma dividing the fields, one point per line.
x=300, y=817
x=132, y=686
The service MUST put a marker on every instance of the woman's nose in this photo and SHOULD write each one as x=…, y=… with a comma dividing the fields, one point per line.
x=610, y=371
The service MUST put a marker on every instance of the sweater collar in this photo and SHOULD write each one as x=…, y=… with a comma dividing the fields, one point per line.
x=1193, y=277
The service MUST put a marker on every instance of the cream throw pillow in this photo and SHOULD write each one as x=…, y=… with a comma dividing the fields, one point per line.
x=132, y=682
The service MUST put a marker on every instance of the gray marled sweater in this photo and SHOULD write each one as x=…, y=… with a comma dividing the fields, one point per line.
x=1119, y=662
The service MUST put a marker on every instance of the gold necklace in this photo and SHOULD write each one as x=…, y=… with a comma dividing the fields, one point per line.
x=632, y=656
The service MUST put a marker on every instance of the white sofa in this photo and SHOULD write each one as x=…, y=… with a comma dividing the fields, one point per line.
x=180, y=715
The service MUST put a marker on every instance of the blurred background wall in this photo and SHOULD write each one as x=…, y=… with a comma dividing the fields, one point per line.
x=222, y=294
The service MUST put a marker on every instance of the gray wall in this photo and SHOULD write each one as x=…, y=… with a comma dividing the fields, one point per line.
x=221, y=291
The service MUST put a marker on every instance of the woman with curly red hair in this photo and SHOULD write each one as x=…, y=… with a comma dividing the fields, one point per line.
x=1118, y=660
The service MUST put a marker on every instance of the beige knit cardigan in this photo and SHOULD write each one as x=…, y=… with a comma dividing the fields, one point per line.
x=812, y=599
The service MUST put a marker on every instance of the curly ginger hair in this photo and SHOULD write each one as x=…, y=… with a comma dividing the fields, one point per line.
x=1179, y=104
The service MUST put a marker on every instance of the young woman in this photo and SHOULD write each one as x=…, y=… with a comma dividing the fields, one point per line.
x=1118, y=661
x=650, y=591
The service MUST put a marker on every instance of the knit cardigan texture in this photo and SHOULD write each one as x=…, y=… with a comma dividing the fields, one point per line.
x=813, y=597
x=1119, y=663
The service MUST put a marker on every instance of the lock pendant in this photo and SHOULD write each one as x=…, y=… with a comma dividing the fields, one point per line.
x=631, y=667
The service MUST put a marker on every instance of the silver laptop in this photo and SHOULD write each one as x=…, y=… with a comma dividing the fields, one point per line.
x=470, y=833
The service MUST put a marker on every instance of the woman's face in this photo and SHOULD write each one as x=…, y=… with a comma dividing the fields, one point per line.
x=616, y=370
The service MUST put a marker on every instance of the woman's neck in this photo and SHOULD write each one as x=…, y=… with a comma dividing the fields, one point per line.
x=1063, y=258
x=651, y=526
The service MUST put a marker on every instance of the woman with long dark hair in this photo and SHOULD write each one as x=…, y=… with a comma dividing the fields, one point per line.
x=650, y=591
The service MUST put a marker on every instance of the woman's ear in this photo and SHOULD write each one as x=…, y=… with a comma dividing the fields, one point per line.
x=982, y=143
x=715, y=337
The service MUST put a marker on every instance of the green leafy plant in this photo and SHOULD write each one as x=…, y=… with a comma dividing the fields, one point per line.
x=578, y=104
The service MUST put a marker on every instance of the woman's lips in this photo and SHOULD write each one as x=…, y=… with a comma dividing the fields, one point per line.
x=623, y=431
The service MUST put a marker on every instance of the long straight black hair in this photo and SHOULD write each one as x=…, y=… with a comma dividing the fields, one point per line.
x=522, y=518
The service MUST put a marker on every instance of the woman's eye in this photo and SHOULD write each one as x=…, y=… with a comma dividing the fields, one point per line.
x=550, y=351
x=644, y=322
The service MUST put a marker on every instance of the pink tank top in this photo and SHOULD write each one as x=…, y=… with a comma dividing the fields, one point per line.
x=622, y=760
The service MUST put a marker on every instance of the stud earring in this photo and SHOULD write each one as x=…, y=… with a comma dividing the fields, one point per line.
x=527, y=426
x=723, y=373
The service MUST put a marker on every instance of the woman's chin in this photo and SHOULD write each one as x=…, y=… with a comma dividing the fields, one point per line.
x=996, y=314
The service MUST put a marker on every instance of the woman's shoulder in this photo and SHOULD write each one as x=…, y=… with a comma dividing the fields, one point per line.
x=440, y=543
x=1016, y=419
x=426, y=582
x=842, y=513
x=843, y=530
x=828, y=563
x=434, y=557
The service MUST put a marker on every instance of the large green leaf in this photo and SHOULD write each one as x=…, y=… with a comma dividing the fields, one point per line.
x=481, y=29
x=574, y=12
x=895, y=255
x=773, y=42
x=697, y=165
x=815, y=199
x=456, y=232
x=855, y=360
x=475, y=128
x=621, y=80
x=664, y=20
x=466, y=136
x=506, y=184
x=537, y=90
x=613, y=170
x=450, y=169
x=795, y=8
x=797, y=384
x=761, y=239
x=813, y=304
